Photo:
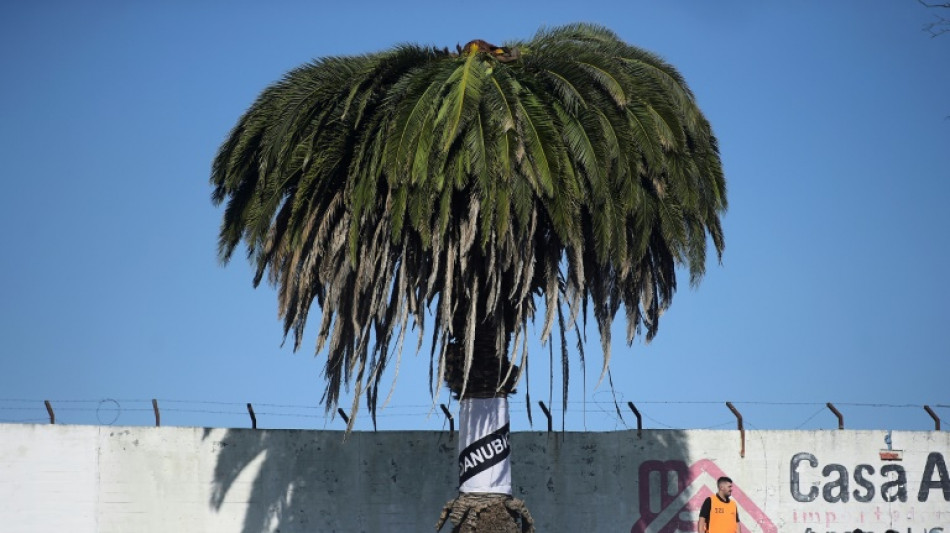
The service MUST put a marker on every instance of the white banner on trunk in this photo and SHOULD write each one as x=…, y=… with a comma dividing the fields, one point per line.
x=484, y=454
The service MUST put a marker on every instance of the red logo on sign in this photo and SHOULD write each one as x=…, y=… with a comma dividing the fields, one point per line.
x=680, y=504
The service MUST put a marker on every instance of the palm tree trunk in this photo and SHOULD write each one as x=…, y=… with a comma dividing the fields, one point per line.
x=485, y=503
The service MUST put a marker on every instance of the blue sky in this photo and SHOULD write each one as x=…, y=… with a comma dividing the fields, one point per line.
x=832, y=123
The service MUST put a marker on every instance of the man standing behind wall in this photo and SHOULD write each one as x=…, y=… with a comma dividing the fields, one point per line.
x=719, y=513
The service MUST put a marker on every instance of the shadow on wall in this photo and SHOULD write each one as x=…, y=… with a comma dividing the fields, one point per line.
x=302, y=481
x=296, y=481
x=593, y=481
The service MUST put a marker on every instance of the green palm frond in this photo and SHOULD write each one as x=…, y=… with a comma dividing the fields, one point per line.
x=391, y=187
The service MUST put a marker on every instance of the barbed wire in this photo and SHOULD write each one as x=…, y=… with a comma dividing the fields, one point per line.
x=108, y=411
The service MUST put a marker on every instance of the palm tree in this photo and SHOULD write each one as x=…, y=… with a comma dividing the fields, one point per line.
x=572, y=170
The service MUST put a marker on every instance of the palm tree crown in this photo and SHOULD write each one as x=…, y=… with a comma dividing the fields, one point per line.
x=572, y=170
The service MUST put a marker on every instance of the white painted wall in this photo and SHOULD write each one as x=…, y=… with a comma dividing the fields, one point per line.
x=183, y=480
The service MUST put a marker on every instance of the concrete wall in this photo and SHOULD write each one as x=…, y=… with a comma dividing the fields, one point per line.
x=183, y=480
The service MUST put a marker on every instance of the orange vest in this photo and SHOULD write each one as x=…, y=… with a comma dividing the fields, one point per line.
x=722, y=516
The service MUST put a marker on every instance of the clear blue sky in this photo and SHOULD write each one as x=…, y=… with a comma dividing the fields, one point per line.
x=832, y=123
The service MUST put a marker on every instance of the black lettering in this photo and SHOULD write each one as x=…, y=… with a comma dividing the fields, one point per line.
x=795, y=486
x=894, y=490
x=936, y=463
x=859, y=479
x=841, y=484
x=483, y=454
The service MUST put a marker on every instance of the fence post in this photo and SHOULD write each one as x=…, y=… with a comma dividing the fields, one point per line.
x=449, y=416
x=547, y=413
x=934, y=416
x=49, y=409
x=342, y=413
x=741, y=429
x=837, y=414
x=639, y=419
x=250, y=411
x=158, y=416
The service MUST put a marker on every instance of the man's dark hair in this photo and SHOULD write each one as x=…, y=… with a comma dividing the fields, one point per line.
x=722, y=480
